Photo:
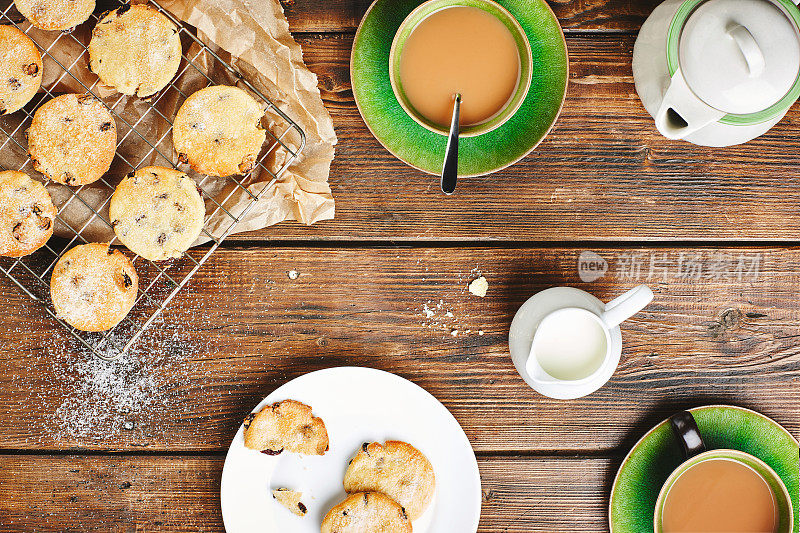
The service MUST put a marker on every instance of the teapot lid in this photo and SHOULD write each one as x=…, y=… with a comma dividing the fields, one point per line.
x=739, y=56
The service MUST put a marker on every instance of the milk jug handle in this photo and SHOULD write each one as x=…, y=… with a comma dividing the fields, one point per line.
x=682, y=112
x=623, y=307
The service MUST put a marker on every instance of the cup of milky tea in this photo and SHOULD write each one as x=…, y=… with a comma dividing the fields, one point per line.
x=720, y=490
x=474, y=48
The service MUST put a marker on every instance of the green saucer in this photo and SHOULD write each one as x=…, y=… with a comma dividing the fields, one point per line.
x=652, y=460
x=480, y=155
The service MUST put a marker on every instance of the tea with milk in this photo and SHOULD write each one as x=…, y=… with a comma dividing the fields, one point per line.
x=720, y=496
x=460, y=50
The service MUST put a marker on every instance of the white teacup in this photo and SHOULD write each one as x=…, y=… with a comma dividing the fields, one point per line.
x=566, y=344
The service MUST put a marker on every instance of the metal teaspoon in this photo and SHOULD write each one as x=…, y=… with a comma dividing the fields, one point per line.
x=450, y=168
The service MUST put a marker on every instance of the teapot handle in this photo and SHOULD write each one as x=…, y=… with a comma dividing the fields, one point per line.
x=681, y=112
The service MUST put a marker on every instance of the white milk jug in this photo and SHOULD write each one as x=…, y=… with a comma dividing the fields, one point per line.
x=565, y=343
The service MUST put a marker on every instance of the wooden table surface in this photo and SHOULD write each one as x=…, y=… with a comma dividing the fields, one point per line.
x=714, y=232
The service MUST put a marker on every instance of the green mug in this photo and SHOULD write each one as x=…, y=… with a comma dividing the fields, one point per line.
x=688, y=435
x=523, y=47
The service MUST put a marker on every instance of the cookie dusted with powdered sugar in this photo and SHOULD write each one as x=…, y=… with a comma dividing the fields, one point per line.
x=27, y=214
x=286, y=426
x=93, y=287
x=136, y=50
x=396, y=469
x=72, y=139
x=367, y=512
x=20, y=69
x=56, y=15
x=157, y=212
x=218, y=131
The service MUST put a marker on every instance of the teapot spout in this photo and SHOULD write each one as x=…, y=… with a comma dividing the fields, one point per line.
x=682, y=112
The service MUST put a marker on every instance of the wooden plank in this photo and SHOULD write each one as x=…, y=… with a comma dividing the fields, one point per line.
x=604, y=173
x=328, y=16
x=244, y=327
x=176, y=494
x=589, y=16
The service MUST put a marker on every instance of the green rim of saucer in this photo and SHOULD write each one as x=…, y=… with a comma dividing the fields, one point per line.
x=479, y=155
x=652, y=460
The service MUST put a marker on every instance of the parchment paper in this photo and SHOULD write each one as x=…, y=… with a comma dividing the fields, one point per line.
x=254, y=37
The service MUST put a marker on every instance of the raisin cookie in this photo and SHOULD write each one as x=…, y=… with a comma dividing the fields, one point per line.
x=157, y=212
x=291, y=500
x=286, y=425
x=56, y=15
x=72, y=139
x=396, y=469
x=93, y=287
x=20, y=69
x=136, y=50
x=27, y=214
x=218, y=131
x=367, y=512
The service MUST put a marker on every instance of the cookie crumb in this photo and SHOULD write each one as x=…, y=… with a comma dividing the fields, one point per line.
x=291, y=500
x=479, y=286
x=293, y=274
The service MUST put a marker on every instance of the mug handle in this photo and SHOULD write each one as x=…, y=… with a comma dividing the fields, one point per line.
x=686, y=431
x=623, y=307
x=681, y=112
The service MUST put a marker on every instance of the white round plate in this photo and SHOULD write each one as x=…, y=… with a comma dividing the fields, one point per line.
x=358, y=405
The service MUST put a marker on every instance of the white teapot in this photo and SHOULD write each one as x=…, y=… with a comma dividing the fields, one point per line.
x=718, y=72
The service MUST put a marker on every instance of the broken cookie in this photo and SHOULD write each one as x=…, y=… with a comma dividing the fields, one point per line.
x=286, y=426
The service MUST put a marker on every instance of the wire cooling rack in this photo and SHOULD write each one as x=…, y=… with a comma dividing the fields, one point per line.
x=159, y=282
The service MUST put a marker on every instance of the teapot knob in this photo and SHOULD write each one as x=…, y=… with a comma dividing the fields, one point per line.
x=749, y=48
